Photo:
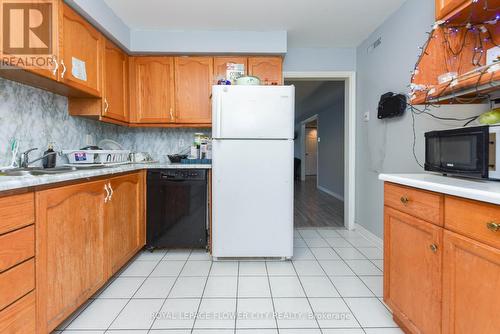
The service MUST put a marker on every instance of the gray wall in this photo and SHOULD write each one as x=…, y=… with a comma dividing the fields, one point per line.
x=328, y=102
x=385, y=146
x=37, y=117
x=320, y=59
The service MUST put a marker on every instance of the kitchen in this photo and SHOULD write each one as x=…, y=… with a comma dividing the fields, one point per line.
x=85, y=231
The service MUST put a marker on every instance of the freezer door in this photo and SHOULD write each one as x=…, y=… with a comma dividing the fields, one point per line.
x=253, y=112
x=252, y=198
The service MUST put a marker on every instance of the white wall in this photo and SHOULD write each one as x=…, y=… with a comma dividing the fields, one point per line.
x=328, y=103
x=385, y=145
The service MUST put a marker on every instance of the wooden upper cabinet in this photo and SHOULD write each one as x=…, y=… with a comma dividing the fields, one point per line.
x=152, y=90
x=471, y=286
x=115, y=97
x=220, y=65
x=193, y=87
x=125, y=223
x=81, y=54
x=445, y=7
x=268, y=69
x=69, y=250
x=412, y=271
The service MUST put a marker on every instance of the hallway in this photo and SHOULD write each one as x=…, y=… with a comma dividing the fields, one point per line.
x=315, y=208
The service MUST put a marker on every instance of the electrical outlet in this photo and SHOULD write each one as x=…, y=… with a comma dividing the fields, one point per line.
x=366, y=116
x=88, y=140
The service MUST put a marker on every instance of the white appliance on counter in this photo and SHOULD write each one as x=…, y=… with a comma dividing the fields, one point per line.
x=252, y=165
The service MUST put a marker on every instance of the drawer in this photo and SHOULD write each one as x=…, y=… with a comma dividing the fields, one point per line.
x=16, y=211
x=418, y=203
x=16, y=282
x=16, y=247
x=473, y=219
x=19, y=318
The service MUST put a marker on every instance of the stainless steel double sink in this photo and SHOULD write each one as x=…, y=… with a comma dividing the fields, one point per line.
x=36, y=171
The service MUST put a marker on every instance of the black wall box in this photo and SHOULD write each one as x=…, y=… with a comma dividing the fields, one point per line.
x=391, y=105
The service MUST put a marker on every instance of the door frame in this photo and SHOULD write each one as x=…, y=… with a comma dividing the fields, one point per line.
x=349, y=77
x=303, y=148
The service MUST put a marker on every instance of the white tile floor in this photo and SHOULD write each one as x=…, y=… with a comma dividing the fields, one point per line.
x=332, y=286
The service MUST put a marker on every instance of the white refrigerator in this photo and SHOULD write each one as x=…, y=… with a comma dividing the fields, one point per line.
x=252, y=166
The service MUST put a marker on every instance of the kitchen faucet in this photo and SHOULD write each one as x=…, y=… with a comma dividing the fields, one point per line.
x=24, y=159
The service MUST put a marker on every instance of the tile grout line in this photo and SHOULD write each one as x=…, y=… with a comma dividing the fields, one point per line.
x=201, y=298
x=272, y=298
x=113, y=279
x=307, y=297
x=170, y=291
x=131, y=298
x=237, y=294
x=329, y=278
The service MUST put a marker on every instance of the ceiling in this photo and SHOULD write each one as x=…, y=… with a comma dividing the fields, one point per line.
x=309, y=23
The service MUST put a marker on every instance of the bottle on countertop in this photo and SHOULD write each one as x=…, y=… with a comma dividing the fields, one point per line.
x=50, y=157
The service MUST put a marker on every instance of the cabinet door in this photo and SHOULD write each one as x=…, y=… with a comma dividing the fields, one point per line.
x=152, y=90
x=125, y=221
x=268, y=69
x=69, y=249
x=471, y=286
x=220, y=65
x=115, y=98
x=81, y=63
x=193, y=89
x=445, y=7
x=412, y=271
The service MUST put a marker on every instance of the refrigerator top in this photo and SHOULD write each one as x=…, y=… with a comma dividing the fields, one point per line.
x=253, y=112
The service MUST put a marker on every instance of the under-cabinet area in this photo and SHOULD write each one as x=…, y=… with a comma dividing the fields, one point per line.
x=61, y=243
x=441, y=257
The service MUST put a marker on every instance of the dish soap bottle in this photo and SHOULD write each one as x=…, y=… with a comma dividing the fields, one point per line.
x=50, y=157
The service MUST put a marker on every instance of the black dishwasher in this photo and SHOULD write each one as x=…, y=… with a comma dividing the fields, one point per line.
x=176, y=208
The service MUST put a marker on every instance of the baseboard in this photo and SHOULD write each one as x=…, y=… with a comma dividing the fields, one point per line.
x=331, y=193
x=369, y=235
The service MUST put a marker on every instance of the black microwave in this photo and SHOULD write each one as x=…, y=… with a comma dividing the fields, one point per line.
x=469, y=151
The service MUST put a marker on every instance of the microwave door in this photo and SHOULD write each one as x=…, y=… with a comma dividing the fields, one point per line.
x=460, y=152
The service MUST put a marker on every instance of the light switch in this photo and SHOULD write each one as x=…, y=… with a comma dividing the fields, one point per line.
x=366, y=116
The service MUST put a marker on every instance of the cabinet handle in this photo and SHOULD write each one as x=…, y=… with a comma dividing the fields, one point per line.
x=404, y=200
x=56, y=66
x=106, y=105
x=64, y=68
x=111, y=191
x=434, y=248
x=107, y=193
x=492, y=226
x=171, y=114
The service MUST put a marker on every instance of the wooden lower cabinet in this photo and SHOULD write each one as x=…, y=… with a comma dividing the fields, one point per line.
x=84, y=233
x=19, y=318
x=70, y=249
x=471, y=286
x=412, y=271
x=124, y=233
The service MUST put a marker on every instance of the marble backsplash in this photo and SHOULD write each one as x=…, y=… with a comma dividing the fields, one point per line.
x=36, y=118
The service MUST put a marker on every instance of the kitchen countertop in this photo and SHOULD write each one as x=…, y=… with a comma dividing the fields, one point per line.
x=18, y=182
x=480, y=190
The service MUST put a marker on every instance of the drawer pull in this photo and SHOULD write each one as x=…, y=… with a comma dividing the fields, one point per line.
x=404, y=200
x=434, y=248
x=492, y=226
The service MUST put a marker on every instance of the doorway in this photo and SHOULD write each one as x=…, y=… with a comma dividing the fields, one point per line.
x=311, y=147
x=349, y=162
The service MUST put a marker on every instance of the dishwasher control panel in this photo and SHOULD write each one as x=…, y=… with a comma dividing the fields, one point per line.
x=183, y=174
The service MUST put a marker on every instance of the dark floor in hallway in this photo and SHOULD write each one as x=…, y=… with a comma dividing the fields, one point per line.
x=315, y=208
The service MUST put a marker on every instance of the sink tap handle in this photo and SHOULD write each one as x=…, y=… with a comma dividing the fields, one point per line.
x=24, y=160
